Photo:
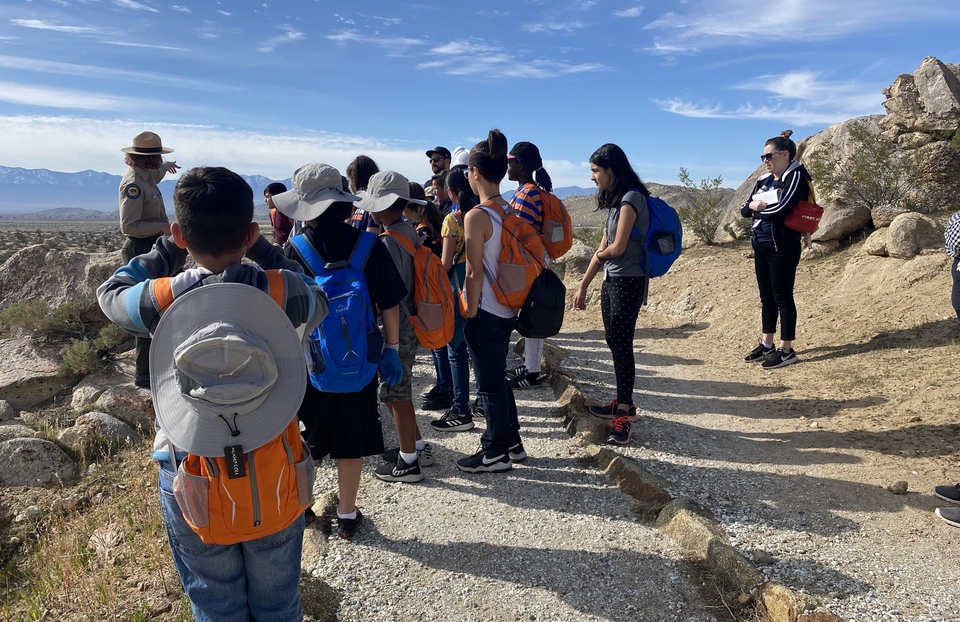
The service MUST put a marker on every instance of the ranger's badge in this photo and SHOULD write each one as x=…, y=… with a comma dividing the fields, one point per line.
x=132, y=191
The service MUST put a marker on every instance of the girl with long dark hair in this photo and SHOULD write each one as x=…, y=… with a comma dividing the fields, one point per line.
x=624, y=290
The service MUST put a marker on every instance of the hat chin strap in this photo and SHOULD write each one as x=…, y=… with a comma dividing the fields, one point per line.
x=234, y=429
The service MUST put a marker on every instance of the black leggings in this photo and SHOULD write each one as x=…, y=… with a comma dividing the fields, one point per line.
x=776, y=270
x=955, y=294
x=620, y=299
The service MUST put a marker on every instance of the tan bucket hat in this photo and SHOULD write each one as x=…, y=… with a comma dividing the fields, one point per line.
x=146, y=143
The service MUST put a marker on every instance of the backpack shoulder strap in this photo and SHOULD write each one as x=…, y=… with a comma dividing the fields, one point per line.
x=310, y=254
x=275, y=281
x=361, y=252
x=402, y=240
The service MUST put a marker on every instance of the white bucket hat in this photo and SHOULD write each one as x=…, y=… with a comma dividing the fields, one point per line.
x=460, y=157
x=383, y=190
x=315, y=188
x=226, y=369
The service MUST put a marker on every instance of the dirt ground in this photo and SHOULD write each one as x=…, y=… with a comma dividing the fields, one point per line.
x=796, y=461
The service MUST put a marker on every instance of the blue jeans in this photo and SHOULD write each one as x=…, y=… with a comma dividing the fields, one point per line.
x=489, y=338
x=460, y=371
x=255, y=580
x=441, y=362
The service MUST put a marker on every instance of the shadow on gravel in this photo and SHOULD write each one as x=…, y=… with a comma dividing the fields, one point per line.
x=651, y=332
x=645, y=585
x=930, y=335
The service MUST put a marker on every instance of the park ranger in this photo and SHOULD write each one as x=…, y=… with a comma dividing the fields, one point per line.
x=143, y=217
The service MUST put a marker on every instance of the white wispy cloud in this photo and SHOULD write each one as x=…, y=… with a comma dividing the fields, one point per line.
x=393, y=45
x=289, y=35
x=480, y=58
x=631, y=12
x=695, y=26
x=553, y=26
x=23, y=94
x=40, y=24
x=226, y=13
x=148, y=46
x=69, y=143
x=136, y=6
x=73, y=69
x=797, y=97
x=182, y=9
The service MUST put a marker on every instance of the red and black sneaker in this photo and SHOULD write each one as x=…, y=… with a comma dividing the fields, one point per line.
x=620, y=431
x=609, y=411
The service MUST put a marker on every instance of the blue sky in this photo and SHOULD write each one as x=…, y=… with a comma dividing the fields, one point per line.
x=263, y=87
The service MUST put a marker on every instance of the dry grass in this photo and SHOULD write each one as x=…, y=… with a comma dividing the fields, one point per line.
x=108, y=558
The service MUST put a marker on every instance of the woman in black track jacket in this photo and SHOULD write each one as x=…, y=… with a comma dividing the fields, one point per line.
x=776, y=248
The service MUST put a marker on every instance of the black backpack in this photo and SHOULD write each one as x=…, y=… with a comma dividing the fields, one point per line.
x=542, y=313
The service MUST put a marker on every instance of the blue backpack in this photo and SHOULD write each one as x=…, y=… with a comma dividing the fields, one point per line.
x=664, y=237
x=343, y=352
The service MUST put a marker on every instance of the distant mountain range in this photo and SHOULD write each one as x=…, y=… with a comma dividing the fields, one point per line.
x=92, y=195
x=85, y=195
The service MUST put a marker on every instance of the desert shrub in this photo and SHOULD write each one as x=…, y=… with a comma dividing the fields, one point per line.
x=109, y=338
x=79, y=358
x=878, y=173
x=32, y=316
x=704, y=215
x=67, y=319
x=590, y=236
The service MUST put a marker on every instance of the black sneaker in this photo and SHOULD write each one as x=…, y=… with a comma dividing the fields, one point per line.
x=399, y=472
x=346, y=527
x=780, y=359
x=517, y=453
x=760, y=353
x=476, y=409
x=452, y=421
x=441, y=401
x=529, y=380
x=948, y=493
x=620, y=431
x=950, y=516
x=481, y=463
x=142, y=381
x=609, y=411
x=425, y=455
x=432, y=392
x=517, y=372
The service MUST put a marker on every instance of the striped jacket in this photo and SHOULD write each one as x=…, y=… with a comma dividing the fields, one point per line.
x=137, y=294
x=792, y=187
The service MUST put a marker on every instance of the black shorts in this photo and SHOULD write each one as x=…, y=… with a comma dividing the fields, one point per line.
x=342, y=425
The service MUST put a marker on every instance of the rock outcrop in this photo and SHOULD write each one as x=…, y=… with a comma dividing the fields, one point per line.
x=923, y=120
x=96, y=427
x=910, y=233
x=57, y=277
x=29, y=373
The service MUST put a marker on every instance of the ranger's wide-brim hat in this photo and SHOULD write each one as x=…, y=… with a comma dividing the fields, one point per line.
x=146, y=143
x=226, y=369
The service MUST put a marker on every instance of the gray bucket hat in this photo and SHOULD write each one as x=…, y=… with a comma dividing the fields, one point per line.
x=226, y=369
x=315, y=188
x=383, y=190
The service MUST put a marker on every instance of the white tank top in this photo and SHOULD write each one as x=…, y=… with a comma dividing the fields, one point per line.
x=491, y=264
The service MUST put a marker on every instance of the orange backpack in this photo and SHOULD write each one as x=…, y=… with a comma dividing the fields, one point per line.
x=521, y=256
x=557, y=230
x=275, y=488
x=433, y=298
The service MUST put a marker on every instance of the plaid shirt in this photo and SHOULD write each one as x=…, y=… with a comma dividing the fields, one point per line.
x=952, y=236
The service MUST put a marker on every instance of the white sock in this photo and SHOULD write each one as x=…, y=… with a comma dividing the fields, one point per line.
x=421, y=444
x=350, y=516
x=410, y=458
x=532, y=354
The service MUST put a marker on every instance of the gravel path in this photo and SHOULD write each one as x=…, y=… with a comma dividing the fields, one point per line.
x=550, y=540
x=806, y=503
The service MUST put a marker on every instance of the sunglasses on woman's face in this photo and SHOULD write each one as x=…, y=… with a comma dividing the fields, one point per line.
x=769, y=156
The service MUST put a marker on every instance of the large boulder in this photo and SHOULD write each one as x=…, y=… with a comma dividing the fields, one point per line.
x=132, y=405
x=910, y=233
x=29, y=374
x=574, y=263
x=34, y=462
x=883, y=215
x=57, y=277
x=927, y=101
x=7, y=411
x=938, y=189
x=11, y=430
x=876, y=244
x=840, y=221
x=96, y=427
